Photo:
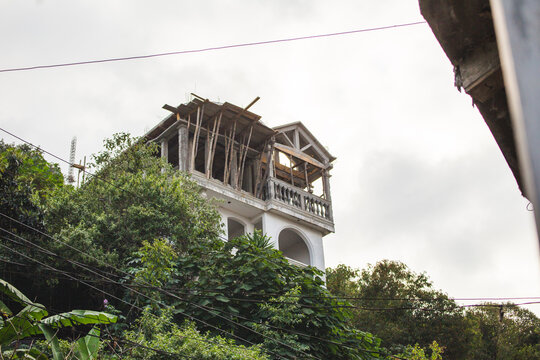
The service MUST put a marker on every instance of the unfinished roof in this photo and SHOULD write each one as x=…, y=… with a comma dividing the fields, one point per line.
x=231, y=114
x=297, y=136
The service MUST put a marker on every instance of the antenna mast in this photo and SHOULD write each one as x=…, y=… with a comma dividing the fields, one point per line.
x=70, y=177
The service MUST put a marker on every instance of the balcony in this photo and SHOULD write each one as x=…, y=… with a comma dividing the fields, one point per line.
x=285, y=193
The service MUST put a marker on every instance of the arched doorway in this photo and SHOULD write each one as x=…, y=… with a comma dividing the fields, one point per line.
x=293, y=246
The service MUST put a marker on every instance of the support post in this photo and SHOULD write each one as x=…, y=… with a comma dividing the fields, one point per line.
x=271, y=172
x=234, y=167
x=207, y=152
x=326, y=185
x=164, y=150
x=327, y=197
x=182, y=147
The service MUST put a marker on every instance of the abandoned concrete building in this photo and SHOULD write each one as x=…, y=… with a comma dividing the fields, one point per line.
x=272, y=179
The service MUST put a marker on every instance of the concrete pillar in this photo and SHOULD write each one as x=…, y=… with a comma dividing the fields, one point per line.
x=164, y=150
x=182, y=147
x=326, y=185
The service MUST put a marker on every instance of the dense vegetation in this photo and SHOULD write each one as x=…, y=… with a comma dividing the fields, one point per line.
x=402, y=308
x=139, y=242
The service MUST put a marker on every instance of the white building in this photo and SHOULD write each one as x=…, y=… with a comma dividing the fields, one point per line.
x=275, y=180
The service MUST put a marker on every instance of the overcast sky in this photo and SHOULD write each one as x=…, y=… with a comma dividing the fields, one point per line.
x=418, y=176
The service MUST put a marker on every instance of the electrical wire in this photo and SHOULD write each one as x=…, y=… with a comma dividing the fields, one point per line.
x=224, y=239
x=144, y=295
x=75, y=323
x=119, y=299
x=304, y=296
x=410, y=308
x=223, y=47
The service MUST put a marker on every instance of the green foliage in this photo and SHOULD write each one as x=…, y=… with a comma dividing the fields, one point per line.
x=515, y=335
x=173, y=341
x=222, y=284
x=414, y=311
x=133, y=201
x=137, y=198
x=282, y=312
x=417, y=353
x=25, y=170
x=32, y=320
x=27, y=181
x=157, y=263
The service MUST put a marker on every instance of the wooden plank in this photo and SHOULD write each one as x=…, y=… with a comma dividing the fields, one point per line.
x=291, y=167
x=202, y=128
x=243, y=160
x=195, y=146
x=214, y=145
x=305, y=147
x=286, y=138
x=286, y=169
x=241, y=132
x=300, y=155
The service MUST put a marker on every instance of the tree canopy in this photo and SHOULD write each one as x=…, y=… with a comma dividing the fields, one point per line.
x=138, y=235
x=408, y=314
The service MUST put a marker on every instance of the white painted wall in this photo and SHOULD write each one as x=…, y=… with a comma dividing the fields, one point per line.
x=273, y=224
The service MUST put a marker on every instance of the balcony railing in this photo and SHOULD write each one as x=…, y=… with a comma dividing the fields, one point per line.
x=298, y=198
x=296, y=262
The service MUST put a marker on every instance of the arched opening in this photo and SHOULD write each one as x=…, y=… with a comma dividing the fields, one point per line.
x=293, y=246
x=235, y=228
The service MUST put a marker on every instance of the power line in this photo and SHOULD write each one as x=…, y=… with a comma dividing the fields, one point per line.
x=207, y=290
x=266, y=294
x=209, y=309
x=109, y=294
x=223, y=47
x=175, y=292
x=410, y=308
x=75, y=322
x=326, y=340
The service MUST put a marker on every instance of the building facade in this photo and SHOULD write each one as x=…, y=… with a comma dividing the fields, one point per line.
x=275, y=180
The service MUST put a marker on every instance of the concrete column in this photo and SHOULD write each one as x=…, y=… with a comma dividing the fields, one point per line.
x=182, y=147
x=326, y=185
x=164, y=150
x=271, y=175
x=326, y=188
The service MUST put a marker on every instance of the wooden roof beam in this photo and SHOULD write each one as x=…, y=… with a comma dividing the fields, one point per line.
x=300, y=155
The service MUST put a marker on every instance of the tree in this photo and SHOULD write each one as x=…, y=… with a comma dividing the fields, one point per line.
x=138, y=215
x=248, y=288
x=27, y=182
x=158, y=337
x=401, y=307
x=32, y=320
x=133, y=197
x=504, y=332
